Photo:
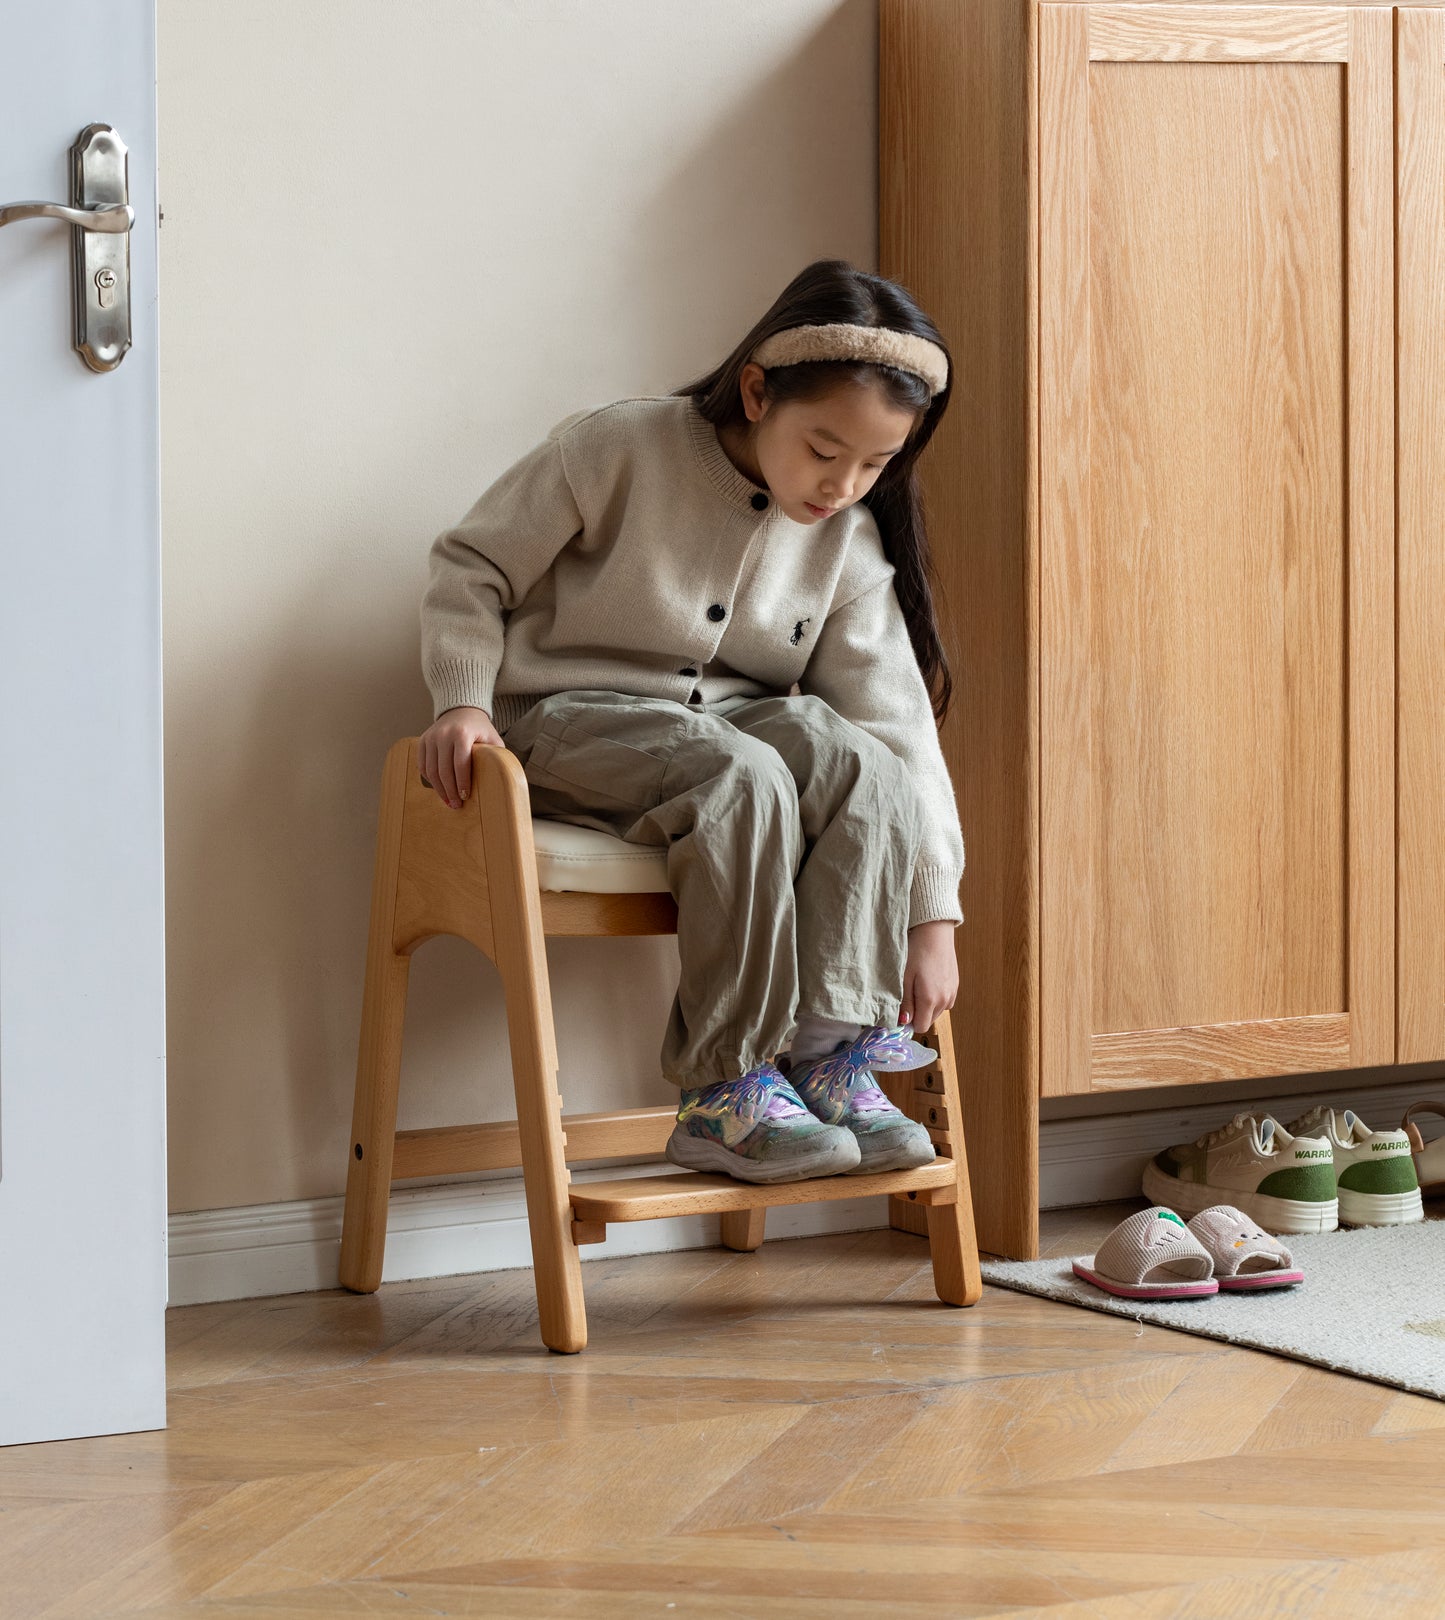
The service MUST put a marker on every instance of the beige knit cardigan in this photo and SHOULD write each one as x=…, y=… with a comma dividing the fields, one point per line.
x=627, y=552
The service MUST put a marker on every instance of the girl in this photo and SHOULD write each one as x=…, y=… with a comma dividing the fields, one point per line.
x=629, y=607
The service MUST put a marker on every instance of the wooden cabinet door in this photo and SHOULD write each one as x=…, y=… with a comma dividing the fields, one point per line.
x=1215, y=542
x=1420, y=249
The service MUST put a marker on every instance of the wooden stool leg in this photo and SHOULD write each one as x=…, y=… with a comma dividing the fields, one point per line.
x=378, y=1063
x=521, y=959
x=951, y=1239
x=742, y=1229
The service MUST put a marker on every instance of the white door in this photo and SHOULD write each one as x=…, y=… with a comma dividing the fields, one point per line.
x=82, y=1031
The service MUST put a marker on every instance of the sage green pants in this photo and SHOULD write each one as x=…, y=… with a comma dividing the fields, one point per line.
x=791, y=837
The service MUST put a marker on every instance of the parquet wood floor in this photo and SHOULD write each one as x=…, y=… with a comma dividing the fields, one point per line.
x=804, y=1432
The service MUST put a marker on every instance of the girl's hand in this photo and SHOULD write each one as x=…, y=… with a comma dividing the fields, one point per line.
x=930, y=977
x=445, y=752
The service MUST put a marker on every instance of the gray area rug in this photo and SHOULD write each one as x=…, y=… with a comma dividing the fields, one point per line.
x=1372, y=1304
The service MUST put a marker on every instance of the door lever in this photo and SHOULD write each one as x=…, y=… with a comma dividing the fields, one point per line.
x=111, y=218
x=101, y=217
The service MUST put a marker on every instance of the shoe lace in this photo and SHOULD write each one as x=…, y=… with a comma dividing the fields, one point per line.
x=1232, y=1129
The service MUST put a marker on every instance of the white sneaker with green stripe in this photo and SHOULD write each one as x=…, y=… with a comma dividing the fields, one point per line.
x=1284, y=1181
x=1374, y=1170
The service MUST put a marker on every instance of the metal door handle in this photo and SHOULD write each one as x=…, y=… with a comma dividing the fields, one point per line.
x=100, y=216
x=110, y=218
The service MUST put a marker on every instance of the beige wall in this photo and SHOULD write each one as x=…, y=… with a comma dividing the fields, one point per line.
x=400, y=241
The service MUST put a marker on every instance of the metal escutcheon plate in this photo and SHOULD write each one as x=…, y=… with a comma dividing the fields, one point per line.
x=98, y=174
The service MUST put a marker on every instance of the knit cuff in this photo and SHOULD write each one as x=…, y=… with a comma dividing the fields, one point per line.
x=458, y=681
x=934, y=896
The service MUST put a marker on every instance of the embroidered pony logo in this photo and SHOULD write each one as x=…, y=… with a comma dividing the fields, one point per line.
x=797, y=634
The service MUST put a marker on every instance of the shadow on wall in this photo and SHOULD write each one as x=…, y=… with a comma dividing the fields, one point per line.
x=268, y=875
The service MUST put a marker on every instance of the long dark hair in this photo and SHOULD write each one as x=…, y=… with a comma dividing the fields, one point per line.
x=834, y=290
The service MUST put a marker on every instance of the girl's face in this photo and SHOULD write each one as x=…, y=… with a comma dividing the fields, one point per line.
x=818, y=456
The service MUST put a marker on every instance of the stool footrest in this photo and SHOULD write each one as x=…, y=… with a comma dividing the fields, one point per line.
x=691, y=1192
x=450, y=1150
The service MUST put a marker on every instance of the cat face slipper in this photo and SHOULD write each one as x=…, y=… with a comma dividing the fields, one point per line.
x=1151, y=1254
x=1244, y=1257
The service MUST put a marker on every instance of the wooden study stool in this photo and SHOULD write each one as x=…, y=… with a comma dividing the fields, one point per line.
x=493, y=874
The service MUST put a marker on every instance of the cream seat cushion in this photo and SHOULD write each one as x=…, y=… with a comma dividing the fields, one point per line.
x=590, y=861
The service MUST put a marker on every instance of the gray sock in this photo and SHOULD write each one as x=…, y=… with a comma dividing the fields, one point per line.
x=817, y=1037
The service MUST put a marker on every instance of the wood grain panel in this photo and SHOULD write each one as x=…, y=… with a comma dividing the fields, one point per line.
x=1203, y=33
x=378, y=1058
x=503, y=802
x=441, y=885
x=1217, y=661
x=1215, y=531
x=691, y=1192
x=1264, y=1046
x=956, y=227
x=1420, y=356
x=1370, y=582
x=460, y=1149
x=569, y=911
x=1066, y=597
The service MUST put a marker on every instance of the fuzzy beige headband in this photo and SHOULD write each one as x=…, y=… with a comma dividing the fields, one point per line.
x=841, y=340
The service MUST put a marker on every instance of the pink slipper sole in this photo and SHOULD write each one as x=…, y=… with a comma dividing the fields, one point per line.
x=1261, y=1279
x=1246, y=1258
x=1169, y=1290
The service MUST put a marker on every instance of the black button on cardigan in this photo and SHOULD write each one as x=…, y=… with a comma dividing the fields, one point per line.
x=759, y=501
x=717, y=611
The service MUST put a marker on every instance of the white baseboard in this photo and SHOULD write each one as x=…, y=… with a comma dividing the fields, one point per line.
x=463, y=1227
x=435, y=1231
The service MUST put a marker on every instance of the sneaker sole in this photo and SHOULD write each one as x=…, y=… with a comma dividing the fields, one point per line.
x=697, y=1153
x=904, y=1158
x=1380, y=1209
x=1296, y=1216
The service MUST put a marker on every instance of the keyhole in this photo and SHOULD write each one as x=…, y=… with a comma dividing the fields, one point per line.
x=105, y=287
